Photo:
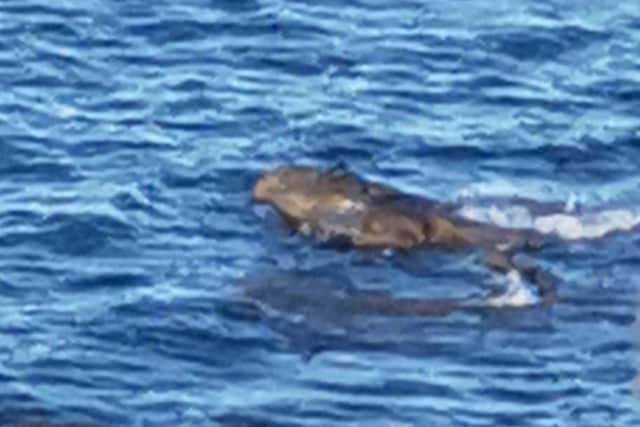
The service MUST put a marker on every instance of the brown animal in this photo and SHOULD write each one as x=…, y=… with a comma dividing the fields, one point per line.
x=336, y=205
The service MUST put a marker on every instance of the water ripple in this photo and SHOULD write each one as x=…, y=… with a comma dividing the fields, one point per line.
x=131, y=134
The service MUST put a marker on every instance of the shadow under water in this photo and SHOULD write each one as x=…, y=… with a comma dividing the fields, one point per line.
x=319, y=310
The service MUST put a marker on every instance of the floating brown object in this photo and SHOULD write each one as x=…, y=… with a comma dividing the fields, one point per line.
x=337, y=205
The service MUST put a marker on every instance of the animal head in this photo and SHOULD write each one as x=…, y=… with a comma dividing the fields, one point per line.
x=284, y=180
x=305, y=193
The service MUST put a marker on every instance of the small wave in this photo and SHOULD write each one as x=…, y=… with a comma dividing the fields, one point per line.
x=567, y=225
x=517, y=294
x=69, y=231
x=592, y=226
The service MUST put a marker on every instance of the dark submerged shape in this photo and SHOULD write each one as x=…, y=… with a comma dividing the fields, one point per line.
x=336, y=205
x=322, y=309
x=316, y=294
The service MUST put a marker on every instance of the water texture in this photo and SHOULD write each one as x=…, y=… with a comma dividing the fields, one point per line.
x=131, y=133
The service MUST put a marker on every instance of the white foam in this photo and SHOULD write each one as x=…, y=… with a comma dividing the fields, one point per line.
x=510, y=216
x=590, y=226
x=567, y=225
x=518, y=293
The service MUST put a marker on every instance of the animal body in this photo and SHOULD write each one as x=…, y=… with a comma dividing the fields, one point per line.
x=338, y=206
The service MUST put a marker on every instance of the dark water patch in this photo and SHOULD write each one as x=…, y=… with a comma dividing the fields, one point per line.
x=32, y=264
x=190, y=85
x=600, y=315
x=130, y=204
x=299, y=31
x=391, y=389
x=77, y=235
x=621, y=347
x=235, y=6
x=120, y=106
x=179, y=178
x=11, y=290
x=36, y=171
x=21, y=148
x=247, y=420
x=591, y=159
x=261, y=115
x=616, y=91
x=108, y=280
x=108, y=146
x=174, y=31
x=224, y=128
x=425, y=96
x=457, y=152
x=87, y=234
x=541, y=44
x=39, y=81
x=86, y=78
x=611, y=374
x=294, y=65
x=330, y=154
x=403, y=54
x=192, y=105
x=183, y=308
x=363, y=408
x=329, y=133
x=528, y=397
x=27, y=422
x=542, y=102
x=135, y=58
x=497, y=81
x=513, y=360
x=107, y=44
x=155, y=32
x=207, y=347
x=56, y=30
x=38, y=11
x=61, y=379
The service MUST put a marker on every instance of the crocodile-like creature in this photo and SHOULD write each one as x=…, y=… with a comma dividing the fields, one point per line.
x=337, y=206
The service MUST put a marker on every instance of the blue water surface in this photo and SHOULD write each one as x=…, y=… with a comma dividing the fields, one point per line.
x=132, y=131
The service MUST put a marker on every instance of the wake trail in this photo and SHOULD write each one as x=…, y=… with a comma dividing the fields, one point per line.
x=570, y=224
